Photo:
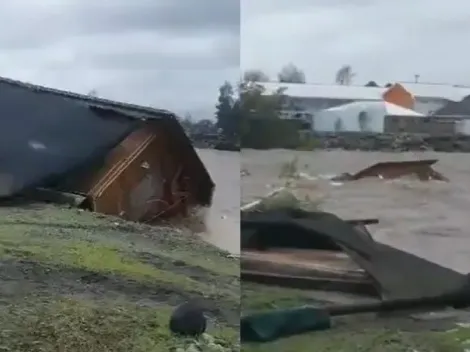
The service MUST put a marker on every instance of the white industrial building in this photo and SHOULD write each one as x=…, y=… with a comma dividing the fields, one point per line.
x=348, y=117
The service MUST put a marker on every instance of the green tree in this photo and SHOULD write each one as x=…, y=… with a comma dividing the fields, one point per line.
x=186, y=122
x=255, y=102
x=344, y=76
x=226, y=120
x=261, y=125
x=372, y=84
x=204, y=126
x=251, y=115
x=291, y=74
x=255, y=75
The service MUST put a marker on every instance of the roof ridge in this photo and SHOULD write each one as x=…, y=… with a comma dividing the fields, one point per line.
x=321, y=84
x=84, y=97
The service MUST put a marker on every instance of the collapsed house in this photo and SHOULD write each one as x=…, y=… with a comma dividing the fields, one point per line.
x=319, y=251
x=115, y=158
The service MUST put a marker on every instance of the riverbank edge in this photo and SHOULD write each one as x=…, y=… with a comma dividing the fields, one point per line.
x=81, y=281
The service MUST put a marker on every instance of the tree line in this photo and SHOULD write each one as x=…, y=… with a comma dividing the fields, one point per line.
x=291, y=73
x=248, y=116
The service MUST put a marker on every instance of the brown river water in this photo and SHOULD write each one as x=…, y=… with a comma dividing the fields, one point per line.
x=223, y=218
x=430, y=219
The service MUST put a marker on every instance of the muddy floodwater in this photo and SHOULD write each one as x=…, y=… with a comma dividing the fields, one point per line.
x=223, y=218
x=430, y=219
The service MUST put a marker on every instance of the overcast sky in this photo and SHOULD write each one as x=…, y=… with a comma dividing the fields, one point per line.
x=171, y=54
x=382, y=40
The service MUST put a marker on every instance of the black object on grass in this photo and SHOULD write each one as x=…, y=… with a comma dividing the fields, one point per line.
x=188, y=319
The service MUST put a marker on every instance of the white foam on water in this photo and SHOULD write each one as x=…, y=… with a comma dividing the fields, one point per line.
x=327, y=176
x=308, y=177
x=258, y=201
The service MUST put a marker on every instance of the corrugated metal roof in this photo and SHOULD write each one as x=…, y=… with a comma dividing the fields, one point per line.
x=326, y=91
x=443, y=91
x=393, y=109
x=91, y=100
x=70, y=136
x=331, y=91
x=382, y=106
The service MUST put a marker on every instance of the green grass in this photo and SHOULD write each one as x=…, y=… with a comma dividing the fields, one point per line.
x=53, y=223
x=347, y=335
x=370, y=340
x=73, y=325
x=256, y=297
x=96, y=258
x=62, y=240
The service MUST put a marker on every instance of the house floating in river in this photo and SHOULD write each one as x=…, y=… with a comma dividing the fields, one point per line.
x=117, y=158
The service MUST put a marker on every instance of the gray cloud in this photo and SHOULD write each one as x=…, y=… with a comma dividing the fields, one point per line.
x=382, y=40
x=171, y=54
x=204, y=16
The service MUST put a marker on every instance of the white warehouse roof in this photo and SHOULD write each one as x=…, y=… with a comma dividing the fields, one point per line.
x=376, y=107
x=325, y=91
x=334, y=91
x=348, y=115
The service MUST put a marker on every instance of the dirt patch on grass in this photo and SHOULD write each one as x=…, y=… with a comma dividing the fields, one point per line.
x=181, y=267
x=26, y=277
x=77, y=267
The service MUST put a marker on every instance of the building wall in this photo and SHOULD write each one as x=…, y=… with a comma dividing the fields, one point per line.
x=427, y=106
x=417, y=124
x=464, y=127
x=327, y=120
x=462, y=123
x=402, y=94
x=311, y=110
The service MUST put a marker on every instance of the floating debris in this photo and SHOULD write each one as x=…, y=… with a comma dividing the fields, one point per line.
x=396, y=169
x=284, y=245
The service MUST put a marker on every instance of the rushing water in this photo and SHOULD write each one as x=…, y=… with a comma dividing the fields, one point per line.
x=223, y=218
x=430, y=219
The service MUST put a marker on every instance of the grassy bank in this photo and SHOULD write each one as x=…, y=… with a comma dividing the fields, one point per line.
x=77, y=281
